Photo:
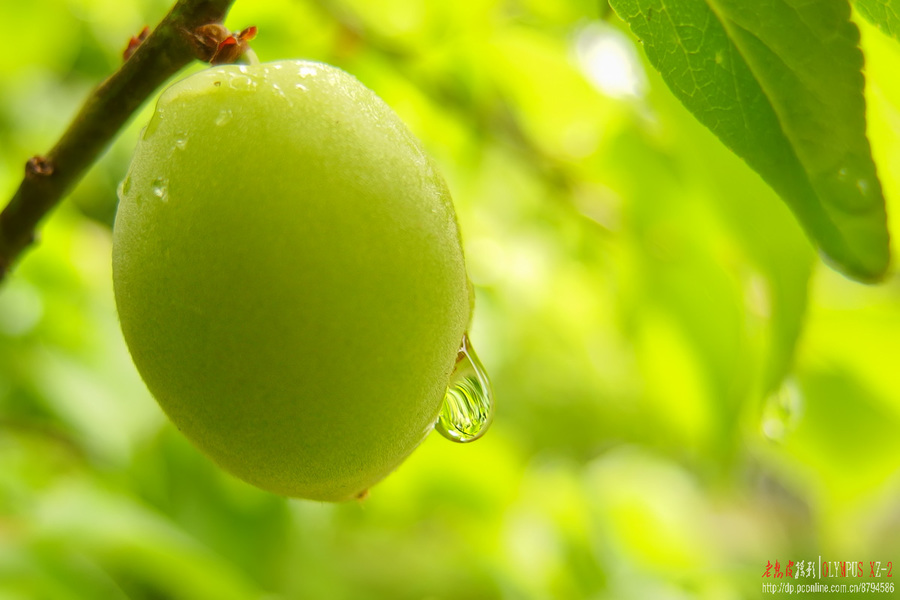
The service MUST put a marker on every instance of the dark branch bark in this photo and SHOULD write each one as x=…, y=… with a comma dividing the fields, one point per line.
x=48, y=178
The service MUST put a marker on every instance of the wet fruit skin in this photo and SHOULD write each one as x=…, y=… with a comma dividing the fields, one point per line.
x=289, y=276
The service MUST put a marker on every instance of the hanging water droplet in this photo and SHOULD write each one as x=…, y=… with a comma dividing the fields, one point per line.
x=468, y=402
x=160, y=188
x=782, y=411
x=181, y=142
x=224, y=117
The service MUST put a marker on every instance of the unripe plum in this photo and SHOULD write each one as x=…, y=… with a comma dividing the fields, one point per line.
x=289, y=276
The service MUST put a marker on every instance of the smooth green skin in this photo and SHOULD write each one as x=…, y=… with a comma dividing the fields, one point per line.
x=296, y=295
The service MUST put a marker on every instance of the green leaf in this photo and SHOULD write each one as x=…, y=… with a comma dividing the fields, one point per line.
x=884, y=14
x=780, y=83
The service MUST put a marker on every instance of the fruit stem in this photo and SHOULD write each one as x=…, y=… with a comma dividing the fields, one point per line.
x=48, y=178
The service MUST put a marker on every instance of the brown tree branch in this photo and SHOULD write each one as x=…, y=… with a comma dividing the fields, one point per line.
x=49, y=178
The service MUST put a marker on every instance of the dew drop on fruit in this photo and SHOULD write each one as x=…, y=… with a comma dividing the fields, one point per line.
x=160, y=188
x=124, y=187
x=468, y=402
x=181, y=143
x=224, y=117
x=241, y=82
x=281, y=93
x=782, y=412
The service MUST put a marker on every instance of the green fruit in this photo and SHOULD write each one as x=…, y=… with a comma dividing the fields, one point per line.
x=289, y=276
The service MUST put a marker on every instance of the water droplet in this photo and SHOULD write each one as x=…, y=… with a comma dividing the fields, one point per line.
x=863, y=186
x=224, y=116
x=277, y=67
x=181, y=141
x=160, y=188
x=468, y=402
x=300, y=86
x=281, y=93
x=124, y=187
x=241, y=82
x=306, y=71
x=782, y=411
x=153, y=125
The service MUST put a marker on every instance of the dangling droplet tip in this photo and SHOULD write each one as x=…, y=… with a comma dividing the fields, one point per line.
x=468, y=408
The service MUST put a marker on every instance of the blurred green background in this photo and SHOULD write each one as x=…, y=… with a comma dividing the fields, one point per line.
x=684, y=391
